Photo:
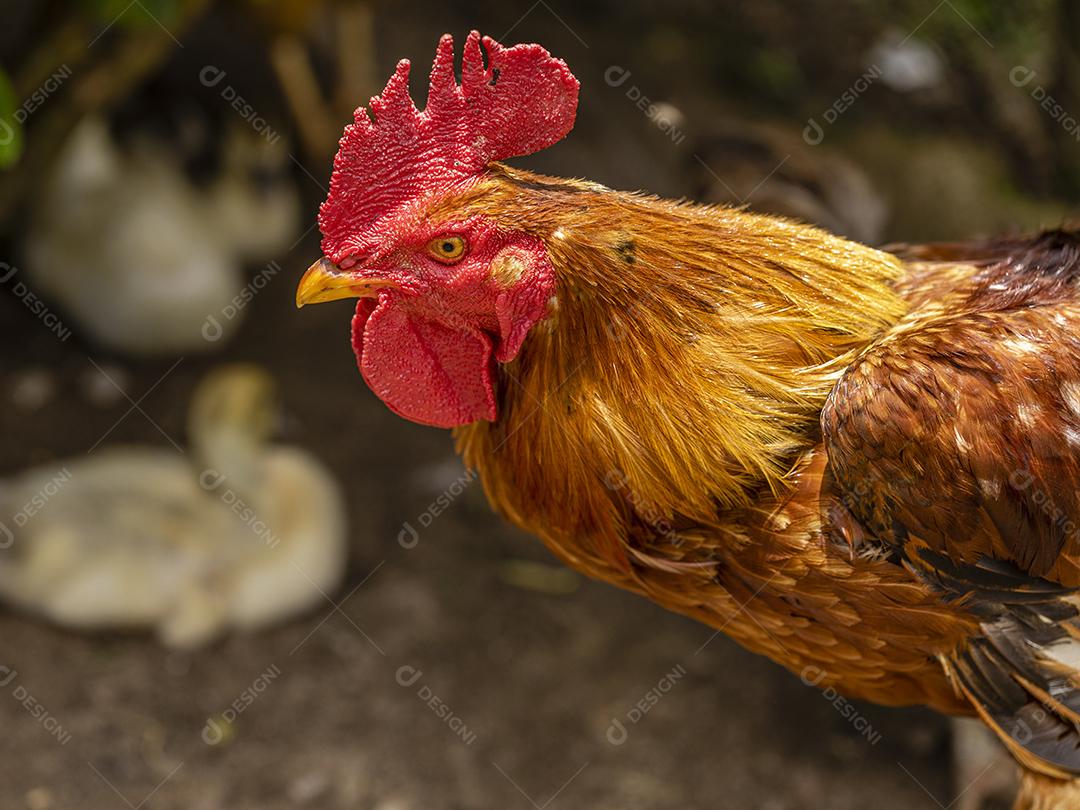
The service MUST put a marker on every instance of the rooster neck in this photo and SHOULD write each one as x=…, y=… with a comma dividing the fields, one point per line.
x=681, y=370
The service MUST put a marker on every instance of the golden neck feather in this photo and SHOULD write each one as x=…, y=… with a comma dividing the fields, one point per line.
x=684, y=364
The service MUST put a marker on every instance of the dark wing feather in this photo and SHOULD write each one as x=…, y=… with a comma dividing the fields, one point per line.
x=955, y=440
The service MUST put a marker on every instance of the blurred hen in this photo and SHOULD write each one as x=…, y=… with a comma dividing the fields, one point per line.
x=142, y=239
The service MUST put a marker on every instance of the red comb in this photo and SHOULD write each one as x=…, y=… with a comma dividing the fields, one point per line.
x=523, y=101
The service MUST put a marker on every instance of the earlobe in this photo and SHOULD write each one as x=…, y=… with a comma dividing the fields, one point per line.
x=520, y=306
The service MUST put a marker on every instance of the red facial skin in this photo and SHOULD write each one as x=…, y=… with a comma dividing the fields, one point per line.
x=427, y=345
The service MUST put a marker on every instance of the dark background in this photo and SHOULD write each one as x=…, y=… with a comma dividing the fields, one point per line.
x=535, y=661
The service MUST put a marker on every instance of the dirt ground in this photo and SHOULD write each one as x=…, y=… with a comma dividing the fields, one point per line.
x=464, y=670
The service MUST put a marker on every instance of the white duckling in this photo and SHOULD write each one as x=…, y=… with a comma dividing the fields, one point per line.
x=238, y=535
x=139, y=256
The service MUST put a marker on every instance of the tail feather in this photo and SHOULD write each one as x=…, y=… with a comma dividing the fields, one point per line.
x=1021, y=678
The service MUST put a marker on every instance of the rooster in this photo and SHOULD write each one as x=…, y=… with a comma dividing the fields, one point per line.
x=863, y=464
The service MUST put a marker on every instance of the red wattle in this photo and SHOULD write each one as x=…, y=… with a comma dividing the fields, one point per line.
x=423, y=370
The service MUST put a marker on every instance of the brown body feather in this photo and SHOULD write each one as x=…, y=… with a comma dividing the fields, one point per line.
x=861, y=464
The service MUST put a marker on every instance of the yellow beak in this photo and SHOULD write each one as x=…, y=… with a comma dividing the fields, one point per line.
x=325, y=281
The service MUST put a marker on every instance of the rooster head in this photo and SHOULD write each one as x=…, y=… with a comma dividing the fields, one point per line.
x=444, y=295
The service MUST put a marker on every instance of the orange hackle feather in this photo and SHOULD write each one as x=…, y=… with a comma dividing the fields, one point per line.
x=659, y=428
x=730, y=370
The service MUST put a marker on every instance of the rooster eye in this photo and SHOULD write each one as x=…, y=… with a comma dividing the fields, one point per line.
x=447, y=248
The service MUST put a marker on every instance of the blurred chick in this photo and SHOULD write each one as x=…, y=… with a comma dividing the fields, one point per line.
x=239, y=535
x=138, y=255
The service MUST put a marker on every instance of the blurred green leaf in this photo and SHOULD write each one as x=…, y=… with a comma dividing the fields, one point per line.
x=778, y=72
x=11, y=140
x=540, y=577
x=134, y=14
